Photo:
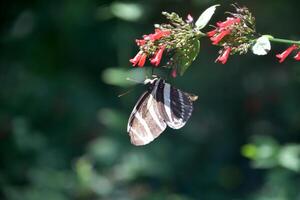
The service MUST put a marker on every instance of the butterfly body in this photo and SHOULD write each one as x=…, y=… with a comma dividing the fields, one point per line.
x=160, y=106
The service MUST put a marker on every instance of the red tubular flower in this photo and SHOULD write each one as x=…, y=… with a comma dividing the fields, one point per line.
x=142, y=60
x=286, y=53
x=157, y=35
x=148, y=37
x=140, y=42
x=160, y=33
x=136, y=59
x=141, y=57
x=297, y=56
x=216, y=39
x=224, y=56
x=211, y=33
x=157, y=56
x=228, y=22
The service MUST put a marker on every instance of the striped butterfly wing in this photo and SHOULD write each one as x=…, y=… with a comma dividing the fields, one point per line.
x=146, y=122
x=178, y=106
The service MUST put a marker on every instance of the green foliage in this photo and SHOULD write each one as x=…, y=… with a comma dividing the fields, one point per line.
x=265, y=152
x=185, y=56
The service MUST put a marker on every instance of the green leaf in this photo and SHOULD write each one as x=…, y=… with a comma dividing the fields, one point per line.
x=205, y=17
x=186, y=55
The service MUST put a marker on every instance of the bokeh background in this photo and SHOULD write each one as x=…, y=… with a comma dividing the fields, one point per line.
x=63, y=128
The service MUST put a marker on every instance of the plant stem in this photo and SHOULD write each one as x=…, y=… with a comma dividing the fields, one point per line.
x=284, y=41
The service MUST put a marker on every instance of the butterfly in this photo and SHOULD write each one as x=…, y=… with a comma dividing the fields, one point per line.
x=160, y=106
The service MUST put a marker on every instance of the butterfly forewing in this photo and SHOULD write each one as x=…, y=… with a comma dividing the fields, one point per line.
x=145, y=122
x=135, y=109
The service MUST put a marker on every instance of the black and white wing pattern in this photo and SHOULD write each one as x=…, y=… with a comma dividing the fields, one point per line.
x=178, y=106
x=161, y=106
x=146, y=122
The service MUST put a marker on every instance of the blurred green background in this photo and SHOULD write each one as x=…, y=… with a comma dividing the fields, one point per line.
x=63, y=128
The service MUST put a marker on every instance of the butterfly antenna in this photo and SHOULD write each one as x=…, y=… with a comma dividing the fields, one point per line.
x=127, y=92
x=132, y=87
x=134, y=80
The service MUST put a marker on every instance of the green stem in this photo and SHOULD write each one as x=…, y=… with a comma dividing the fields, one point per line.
x=278, y=40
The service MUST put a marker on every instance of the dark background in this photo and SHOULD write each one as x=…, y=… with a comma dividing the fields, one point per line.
x=63, y=128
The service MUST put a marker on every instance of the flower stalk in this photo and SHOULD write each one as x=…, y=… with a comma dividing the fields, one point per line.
x=284, y=41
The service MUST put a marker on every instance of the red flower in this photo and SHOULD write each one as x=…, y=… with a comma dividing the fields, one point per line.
x=139, y=59
x=216, y=39
x=211, y=33
x=140, y=42
x=142, y=60
x=157, y=35
x=224, y=56
x=136, y=58
x=162, y=32
x=297, y=56
x=228, y=22
x=286, y=53
x=148, y=37
x=157, y=56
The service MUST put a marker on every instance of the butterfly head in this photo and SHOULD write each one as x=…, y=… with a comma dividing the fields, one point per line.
x=152, y=80
x=149, y=81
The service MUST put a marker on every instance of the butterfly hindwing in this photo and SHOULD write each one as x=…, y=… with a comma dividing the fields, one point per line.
x=181, y=104
x=178, y=107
